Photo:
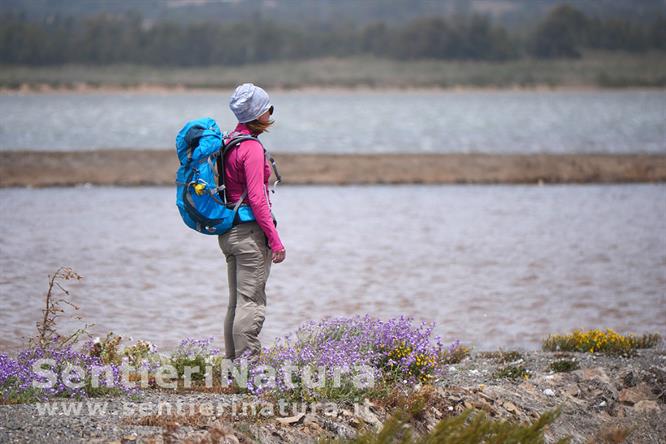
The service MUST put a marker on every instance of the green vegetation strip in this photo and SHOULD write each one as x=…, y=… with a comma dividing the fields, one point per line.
x=594, y=69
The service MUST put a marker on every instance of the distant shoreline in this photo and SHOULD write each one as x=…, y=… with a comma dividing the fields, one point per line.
x=595, y=70
x=37, y=89
x=126, y=167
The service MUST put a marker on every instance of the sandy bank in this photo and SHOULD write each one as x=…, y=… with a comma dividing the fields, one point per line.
x=157, y=167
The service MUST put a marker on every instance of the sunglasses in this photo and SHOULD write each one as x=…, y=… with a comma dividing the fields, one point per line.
x=270, y=110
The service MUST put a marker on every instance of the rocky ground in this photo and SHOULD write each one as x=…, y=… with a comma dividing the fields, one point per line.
x=605, y=399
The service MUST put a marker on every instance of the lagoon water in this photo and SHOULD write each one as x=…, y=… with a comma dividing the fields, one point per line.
x=616, y=121
x=493, y=266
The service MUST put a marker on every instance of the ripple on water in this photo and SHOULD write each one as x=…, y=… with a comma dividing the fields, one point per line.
x=498, y=266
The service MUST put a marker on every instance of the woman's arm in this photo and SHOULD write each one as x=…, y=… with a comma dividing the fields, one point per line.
x=253, y=165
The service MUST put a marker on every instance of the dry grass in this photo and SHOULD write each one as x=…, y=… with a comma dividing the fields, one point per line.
x=611, y=435
x=467, y=428
x=414, y=403
x=217, y=389
x=456, y=355
x=514, y=372
x=502, y=356
x=196, y=420
x=55, y=304
x=215, y=430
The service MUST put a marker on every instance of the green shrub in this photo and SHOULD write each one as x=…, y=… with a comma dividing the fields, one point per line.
x=195, y=353
x=564, y=365
x=512, y=372
x=470, y=427
x=597, y=340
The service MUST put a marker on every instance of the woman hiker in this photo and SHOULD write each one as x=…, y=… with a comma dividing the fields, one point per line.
x=249, y=247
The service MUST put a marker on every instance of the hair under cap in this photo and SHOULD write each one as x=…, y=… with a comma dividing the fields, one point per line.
x=249, y=102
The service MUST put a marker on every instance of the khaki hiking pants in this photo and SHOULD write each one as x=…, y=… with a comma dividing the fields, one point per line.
x=248, y=266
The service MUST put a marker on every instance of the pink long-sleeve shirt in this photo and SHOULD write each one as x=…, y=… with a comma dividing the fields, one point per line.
x=245, y=166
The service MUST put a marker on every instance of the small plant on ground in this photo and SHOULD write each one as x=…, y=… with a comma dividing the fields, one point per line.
x=501, y=356
x=76, y=373
x=106, y=349
x=596, y=340
x=512, y=372
x=454, y=354
x=17, y=375
x=612, y=434
x=54, y=308
x=564, y=365
x=194, y=353
x=470, y=427
x=142, y=353
x=381, y=353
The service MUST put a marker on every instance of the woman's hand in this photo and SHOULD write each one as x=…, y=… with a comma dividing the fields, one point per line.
x=278, y=256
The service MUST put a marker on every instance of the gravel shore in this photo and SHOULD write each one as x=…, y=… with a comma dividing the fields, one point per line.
x=604, y=398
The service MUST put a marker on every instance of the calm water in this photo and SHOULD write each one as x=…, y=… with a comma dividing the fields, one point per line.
x=503, y=121
x=495, y=266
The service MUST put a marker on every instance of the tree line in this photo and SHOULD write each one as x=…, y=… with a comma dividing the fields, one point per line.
x=106, y=39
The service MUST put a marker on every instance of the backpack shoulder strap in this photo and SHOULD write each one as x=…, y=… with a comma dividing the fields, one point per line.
x=278, y=178
x=234, y=141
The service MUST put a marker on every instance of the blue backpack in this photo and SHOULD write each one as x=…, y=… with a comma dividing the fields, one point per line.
x=200, y=190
